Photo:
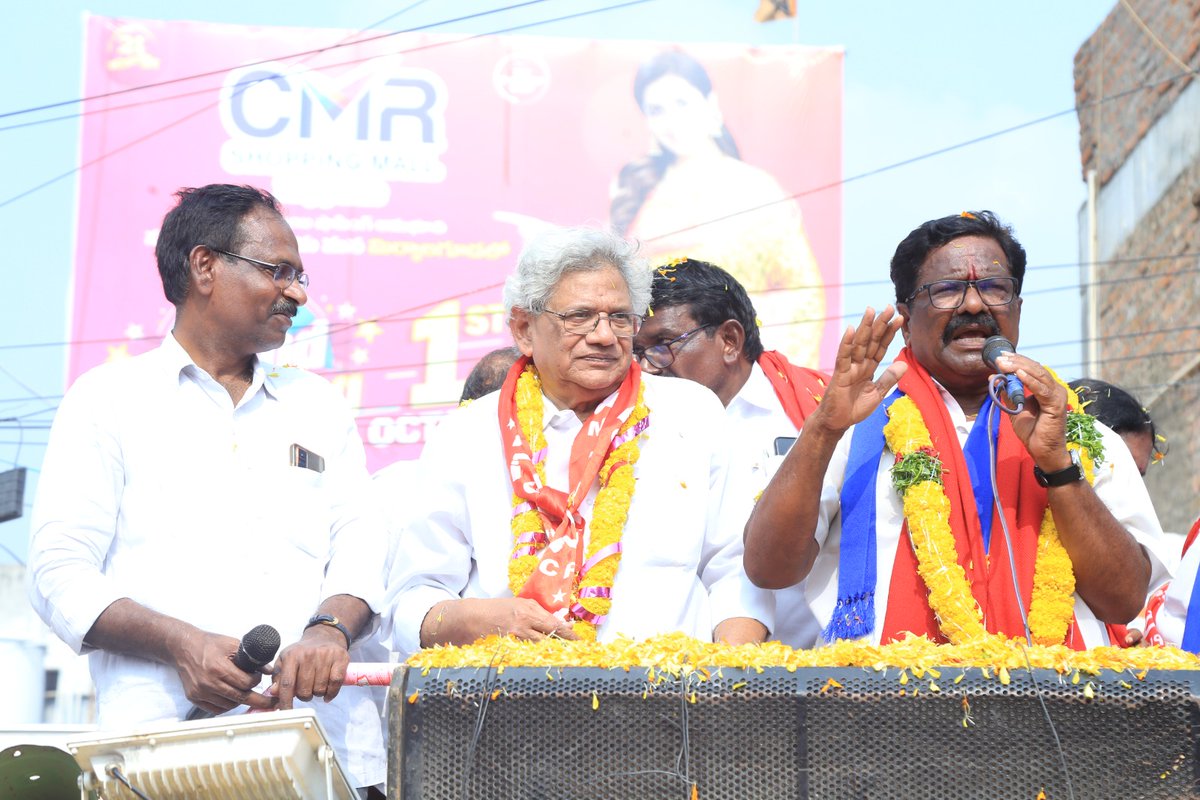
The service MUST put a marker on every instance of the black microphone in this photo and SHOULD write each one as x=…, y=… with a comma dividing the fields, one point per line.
x=257, y=649
x=993, y=348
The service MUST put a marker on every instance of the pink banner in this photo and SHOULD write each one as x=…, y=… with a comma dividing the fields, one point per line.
x=412, y=168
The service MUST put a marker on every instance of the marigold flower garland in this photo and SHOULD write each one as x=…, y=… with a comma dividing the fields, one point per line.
x=1052, y=606
x=609, y=513
x=917, y=476
x=676, y=653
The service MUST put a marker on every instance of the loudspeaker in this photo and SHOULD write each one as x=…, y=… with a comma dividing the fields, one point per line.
x=812, y=733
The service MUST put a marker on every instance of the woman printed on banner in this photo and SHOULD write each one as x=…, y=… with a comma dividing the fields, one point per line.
x=693, y=195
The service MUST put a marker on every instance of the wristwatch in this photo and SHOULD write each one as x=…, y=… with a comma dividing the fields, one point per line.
x=331, y=621
x=1062, y=476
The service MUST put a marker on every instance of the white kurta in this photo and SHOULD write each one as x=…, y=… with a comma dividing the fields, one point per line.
x=1118, y=485
x=756, y=420
x=157, y=488
x=681, y=566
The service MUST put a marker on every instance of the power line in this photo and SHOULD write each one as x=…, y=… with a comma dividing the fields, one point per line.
x=349, y=41
x=1133, y=357
x=203, y=109
x=1112, y=281
x=931, y=154
x=399, y=315
x=1154, y=38
x=8, y=550
x=814, y=190
x=465, y=359
x=243, y=85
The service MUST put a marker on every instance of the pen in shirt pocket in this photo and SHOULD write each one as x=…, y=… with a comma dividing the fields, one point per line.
x=306, y=459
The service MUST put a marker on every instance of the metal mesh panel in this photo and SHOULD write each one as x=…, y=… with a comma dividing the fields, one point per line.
x=782, y=734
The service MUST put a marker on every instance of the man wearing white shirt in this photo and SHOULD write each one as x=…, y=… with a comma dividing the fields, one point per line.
x=194, y=492
x=583, y=499
x=704, y=328
x=995, y=492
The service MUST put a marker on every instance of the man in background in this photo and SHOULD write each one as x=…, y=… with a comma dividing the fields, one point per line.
x=704, y=328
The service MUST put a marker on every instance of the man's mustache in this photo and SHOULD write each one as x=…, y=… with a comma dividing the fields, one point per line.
x=960, y=321
x=286, y=306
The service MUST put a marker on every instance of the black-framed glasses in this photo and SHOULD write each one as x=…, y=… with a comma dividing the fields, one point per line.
x=282, y=274
x=622, y=323
x=661, y=356
x=951, y=294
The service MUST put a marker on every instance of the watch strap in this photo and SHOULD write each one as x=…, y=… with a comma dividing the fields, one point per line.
x=1060, y=477
x=331, y=621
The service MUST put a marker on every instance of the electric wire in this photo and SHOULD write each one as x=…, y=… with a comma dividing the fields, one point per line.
x=12, y=555
x=473, y=357
x=788, y=198
x=345, y=42
x=1154, y=38
x=999, y=508
x=859, y=176
x=399, y=315
x=203, y=109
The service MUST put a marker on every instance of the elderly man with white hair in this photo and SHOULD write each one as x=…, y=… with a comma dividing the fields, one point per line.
x=585, y=498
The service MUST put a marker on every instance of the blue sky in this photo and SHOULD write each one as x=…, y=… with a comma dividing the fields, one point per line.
x=919, y=77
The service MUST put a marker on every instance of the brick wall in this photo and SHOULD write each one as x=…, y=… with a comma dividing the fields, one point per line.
x=1148, y=336
x=1118, y=58
x=1152, y=283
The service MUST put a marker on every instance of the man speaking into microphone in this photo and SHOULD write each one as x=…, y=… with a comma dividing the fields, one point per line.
x=194, y=492
x=913, y=502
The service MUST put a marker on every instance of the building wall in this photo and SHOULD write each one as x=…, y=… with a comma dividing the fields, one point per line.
x=1145, y=147
x=1118, y=58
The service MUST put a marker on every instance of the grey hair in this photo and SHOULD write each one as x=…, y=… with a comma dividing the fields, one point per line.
x=558, y=251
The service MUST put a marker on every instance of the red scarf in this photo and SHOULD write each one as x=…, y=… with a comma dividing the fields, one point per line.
x=1155, y=603
x=1191, y=536
x=560, y=545
x=799, y=389
x=990, y=574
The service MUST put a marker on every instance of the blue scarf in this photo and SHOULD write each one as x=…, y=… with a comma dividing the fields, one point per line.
x=978, y=454
x=854, y=614
x=1191, y=626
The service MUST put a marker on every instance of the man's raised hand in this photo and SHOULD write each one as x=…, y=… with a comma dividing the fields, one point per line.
x=853, y=391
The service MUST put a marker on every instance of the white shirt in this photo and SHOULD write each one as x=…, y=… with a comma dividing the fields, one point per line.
x=757, y=419
x=681, y=564
x=157, y=488
x=1118, y=485
x=392, y=489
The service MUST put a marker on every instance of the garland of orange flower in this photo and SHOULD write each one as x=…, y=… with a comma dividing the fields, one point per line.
x=917, y=476
x=609, y=513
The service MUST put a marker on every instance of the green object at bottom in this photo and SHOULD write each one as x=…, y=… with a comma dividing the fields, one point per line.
x=37, y=772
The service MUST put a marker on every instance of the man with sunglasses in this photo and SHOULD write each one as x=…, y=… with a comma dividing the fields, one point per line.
x=704, y=328
x=584, y=498
x=976, y=521
x=194, y=492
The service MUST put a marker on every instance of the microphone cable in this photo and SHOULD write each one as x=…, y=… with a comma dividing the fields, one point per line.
x=1012, y=569
x=114, y=771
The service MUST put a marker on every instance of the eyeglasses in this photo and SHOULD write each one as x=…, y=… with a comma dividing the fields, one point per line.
x=661, y=356
x=583, y=322
x=951, y=294
x=282, y=274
